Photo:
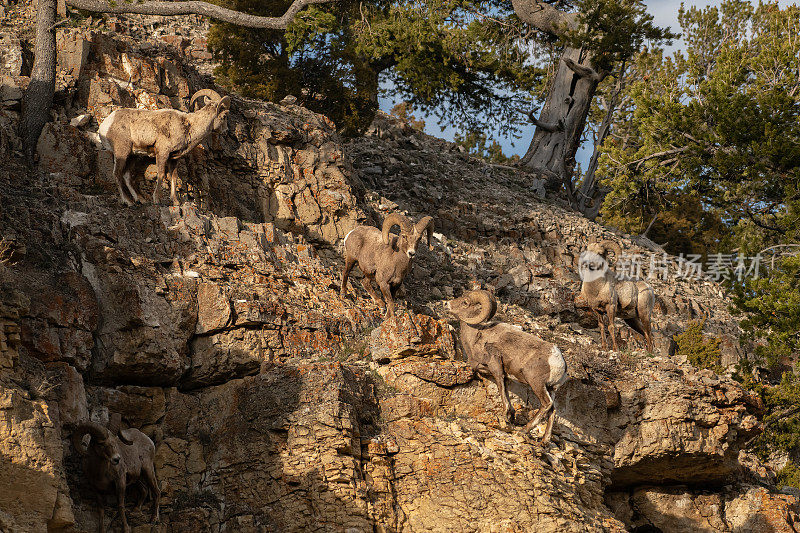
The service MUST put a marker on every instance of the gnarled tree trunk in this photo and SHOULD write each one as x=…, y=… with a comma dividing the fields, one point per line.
x=562, y=120
x=38, y=97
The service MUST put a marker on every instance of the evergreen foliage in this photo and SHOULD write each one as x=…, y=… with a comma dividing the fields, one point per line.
x=450, y=57
x=702, y=352
x=716, y=126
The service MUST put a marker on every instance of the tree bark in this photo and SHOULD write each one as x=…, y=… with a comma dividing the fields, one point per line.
x=589, y=189
x=196, y=7
x=551, y=153
x=38, y=97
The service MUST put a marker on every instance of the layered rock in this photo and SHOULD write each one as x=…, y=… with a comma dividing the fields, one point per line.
x=216, y=328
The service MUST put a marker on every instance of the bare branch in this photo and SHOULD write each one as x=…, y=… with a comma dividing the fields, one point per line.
x=6, y=250
x=546, y=126
x=544, y=17
x=665, y=153
x=195, y=7
x=585, y=72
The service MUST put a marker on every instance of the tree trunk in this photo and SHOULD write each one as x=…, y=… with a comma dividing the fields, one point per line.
x=560, y=125
x=38, y=97
x=590, y=190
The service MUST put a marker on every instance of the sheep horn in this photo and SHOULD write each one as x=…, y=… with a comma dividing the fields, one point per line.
x=395, y=219
x=203, y=93
x=95, y=430
x=422, y=225
x=115, y=427
x=613, y=246
x=488, y=307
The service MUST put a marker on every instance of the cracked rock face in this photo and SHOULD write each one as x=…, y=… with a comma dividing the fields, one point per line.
x=216, y=328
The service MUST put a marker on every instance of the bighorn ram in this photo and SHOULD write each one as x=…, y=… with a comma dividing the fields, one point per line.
x=608, y=297
x=499, y=350
x=116, y=459
x=166, y=134
x=383, y=257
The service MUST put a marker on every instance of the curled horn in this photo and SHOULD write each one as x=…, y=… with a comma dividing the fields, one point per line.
x=395, y=219
x=422, y=225
x=201, y=95
x=488, y=306
x=115, y=427
x=95, y=430
x=614, y=247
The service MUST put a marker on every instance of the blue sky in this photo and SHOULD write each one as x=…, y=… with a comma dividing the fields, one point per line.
x=665, y=13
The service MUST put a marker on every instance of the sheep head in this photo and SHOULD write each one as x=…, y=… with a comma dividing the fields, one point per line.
x=410, y=234
x=593, y=262
x=219, y=107
x=474, y=307
x=603, y=247
x=100, y=443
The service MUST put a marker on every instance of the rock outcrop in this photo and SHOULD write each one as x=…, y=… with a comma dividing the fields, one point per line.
x=216, y=328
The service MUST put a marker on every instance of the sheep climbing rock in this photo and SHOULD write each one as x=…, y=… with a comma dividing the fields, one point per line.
x=115, y=459
x=609, y=298
x=165, y=134
x=382, y=257
x=499, y=350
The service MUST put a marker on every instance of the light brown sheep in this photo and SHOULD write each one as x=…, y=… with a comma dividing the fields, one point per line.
x=165, y=134
x=499, y=350
x=382, y=257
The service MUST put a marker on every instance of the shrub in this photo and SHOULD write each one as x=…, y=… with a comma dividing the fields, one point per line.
x=702, y=352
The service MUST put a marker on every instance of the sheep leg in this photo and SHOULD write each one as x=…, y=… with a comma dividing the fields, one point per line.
x=495, y=367
x=120, y=162
x=546, y=406
x=367, y=283
x=121, y=502
x=161, y=171
x=173, y=181
x=349, y=262
x=101, y=512
x=648, y=332
x=152, y=482
x=548, y=430
x=612, y=329
x=601, y=323
x=636, y=325
x=387, y=296
x=126, y=173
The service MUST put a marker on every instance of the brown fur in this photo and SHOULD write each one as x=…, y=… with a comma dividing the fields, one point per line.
x=113, y=461
x=500, y=350
x=382, y=257
x=609, y=298
x=164, y=134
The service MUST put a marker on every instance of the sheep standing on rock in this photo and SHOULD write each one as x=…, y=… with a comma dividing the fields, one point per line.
x=383, y=257
x=165, y=134
x=116, y=459
x=610, y=298
x=499, y=350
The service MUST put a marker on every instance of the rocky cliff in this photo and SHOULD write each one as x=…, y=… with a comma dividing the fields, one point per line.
x=216, y=328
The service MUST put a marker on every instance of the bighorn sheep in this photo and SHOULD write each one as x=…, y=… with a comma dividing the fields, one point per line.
x=608, y=297
x=115, y=459
x=382, y=257
x=499, y=350
x=166, y=134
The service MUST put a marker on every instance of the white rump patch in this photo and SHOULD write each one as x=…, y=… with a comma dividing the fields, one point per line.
x=558, y=368
x=344, y=242
x=102, y=131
